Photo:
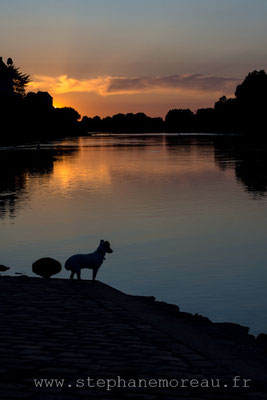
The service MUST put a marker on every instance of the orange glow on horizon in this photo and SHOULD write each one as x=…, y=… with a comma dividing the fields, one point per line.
x=92, y=105
x=154, y=95
x=57, y=104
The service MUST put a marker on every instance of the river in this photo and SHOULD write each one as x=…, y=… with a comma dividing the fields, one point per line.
x=185, y=216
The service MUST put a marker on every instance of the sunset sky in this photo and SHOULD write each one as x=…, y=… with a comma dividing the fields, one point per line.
x=108, y=56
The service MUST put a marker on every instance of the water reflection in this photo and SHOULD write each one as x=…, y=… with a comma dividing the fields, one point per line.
x=249, y=160
x=17, y=167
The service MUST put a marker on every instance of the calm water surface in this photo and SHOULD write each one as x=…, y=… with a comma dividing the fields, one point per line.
x=186, y=217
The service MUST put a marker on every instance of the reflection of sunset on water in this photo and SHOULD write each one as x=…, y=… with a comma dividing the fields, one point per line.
x=71, y=174
x=101, y=162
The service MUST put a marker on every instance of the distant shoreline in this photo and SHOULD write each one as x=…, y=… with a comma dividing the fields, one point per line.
x=34, y=142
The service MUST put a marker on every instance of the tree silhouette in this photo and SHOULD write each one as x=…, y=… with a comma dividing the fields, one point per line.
x=252, y=103
x=20, y=80
x=253, y=89
x=9, y=61
x=179, y=120
x=226, y=114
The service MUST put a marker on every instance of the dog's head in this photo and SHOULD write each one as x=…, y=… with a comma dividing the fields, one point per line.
x=105, y=246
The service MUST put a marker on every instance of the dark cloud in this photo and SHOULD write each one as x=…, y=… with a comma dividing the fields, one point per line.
x=188, y=82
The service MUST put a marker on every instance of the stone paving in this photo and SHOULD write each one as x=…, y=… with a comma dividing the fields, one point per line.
x=55, y=329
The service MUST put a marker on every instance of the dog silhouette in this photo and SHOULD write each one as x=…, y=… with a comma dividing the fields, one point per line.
x=92, y=261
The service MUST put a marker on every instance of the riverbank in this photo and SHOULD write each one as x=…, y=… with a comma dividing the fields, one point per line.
x=71, y=330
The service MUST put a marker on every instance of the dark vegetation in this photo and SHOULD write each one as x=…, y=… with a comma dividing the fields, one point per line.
x=31, y=116
x=245, y=113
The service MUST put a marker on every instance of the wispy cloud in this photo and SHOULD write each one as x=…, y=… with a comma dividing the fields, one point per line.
x=63, y=84
x=110, y=85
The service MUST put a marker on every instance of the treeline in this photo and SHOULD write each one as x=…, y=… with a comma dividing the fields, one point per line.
x=124, y=123
x=245, y=113
x=33, y=117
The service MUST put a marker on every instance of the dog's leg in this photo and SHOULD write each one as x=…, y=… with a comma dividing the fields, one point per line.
x=72, y=275
x=79, y=275
x=94, y=274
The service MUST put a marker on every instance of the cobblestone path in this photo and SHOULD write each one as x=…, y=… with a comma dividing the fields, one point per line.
x=74, y=331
